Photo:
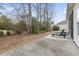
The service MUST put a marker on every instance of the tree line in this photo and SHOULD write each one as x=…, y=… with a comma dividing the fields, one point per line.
x=32, y=18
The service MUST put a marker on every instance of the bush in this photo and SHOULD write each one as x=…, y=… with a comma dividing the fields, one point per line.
x=5, y=23
x=8, y=33
x=42, y=31
x=55, y=28
x=1, y=33
x=20, y=27
x=19, y=32
x=35, y=31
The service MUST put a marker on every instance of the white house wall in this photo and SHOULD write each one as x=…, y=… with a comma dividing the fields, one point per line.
x=63, y=26
x=69, y=11
x=76, y=36
x=73, y=7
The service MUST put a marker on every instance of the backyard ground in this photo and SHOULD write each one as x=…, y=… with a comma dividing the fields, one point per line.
x=44, y=45
x=11, y=42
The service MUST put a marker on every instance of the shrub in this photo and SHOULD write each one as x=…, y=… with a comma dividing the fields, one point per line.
x=1, y=33
x=42, y=31
x=55, y=28
x=8, y=32
x=35, y=31
x=18, y=32
x=5, y=23
x=20, y=27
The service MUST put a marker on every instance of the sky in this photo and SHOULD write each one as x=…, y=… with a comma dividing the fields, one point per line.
x=60, y=11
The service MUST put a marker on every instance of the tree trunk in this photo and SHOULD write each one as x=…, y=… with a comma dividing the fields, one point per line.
x=30, y=18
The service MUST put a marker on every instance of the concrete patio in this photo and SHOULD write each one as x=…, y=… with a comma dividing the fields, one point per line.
x=47, y=46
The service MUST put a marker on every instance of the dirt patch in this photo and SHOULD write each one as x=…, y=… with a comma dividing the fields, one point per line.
x=9, y=42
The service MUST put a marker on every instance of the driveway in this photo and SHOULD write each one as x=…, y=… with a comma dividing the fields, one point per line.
x=47, y=46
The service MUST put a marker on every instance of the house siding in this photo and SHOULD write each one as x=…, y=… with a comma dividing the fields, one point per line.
x=63, y=25
x=73, y=7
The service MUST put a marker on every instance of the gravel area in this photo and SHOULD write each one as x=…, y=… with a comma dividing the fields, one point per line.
x=47, y=46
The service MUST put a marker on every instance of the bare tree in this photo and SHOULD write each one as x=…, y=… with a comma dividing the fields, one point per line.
x=43, y=11
x=36, y=9
x=16, y=10
x=48, y=13
x=30, y=18
x=24, y=14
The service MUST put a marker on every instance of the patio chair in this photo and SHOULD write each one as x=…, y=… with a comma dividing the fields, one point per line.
x=62, y=33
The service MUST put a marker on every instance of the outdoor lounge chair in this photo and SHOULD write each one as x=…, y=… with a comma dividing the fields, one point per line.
x=62, y=33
